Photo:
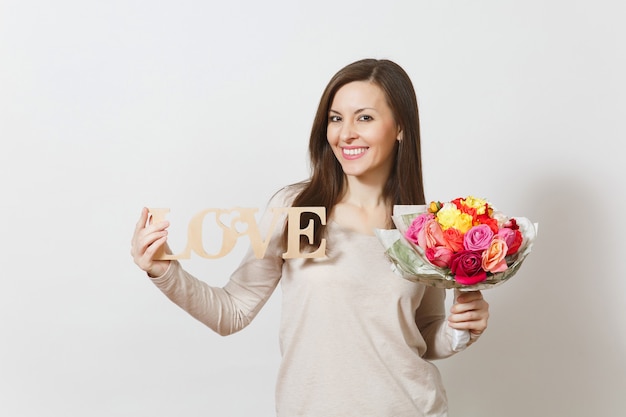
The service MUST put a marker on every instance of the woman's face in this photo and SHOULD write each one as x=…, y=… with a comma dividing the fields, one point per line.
x=362, y=131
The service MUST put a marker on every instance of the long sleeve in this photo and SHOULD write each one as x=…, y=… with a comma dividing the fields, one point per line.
x=229, y=309
x=431, y=321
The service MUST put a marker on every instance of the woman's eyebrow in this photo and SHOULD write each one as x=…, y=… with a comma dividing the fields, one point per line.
x=360, y=110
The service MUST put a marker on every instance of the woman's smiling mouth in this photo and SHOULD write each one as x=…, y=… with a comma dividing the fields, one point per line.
x=353, y=153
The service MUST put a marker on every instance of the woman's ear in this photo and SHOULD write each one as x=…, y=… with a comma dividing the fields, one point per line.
x=400, y=135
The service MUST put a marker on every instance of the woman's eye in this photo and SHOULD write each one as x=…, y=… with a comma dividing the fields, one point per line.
x=365, y=118
x=334, y=119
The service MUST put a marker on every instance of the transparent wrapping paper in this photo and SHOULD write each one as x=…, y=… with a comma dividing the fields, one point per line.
x=410, y=262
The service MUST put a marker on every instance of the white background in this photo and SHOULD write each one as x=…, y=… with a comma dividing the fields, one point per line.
x=109, y=106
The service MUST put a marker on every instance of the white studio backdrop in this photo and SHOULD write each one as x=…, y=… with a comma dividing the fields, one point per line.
x=106, y=107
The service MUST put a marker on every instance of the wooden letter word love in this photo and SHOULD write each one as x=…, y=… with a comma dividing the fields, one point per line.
x=230, y=233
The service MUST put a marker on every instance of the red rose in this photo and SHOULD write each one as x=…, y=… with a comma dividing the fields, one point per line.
x=512, y=224
x=466, y=267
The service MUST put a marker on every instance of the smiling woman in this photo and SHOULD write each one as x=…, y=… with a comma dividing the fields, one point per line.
x=364, y=136
x=363, y=132
x=356, y=339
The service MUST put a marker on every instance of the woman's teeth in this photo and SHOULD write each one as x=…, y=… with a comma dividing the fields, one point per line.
x=355, y=151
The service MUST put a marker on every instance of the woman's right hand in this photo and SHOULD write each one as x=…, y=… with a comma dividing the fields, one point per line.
x=148, y=240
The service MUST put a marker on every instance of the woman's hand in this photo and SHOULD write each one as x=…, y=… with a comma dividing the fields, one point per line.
x=148, y=240
x=469, y=312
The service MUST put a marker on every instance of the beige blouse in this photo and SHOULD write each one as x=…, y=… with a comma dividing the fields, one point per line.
x=355, y=338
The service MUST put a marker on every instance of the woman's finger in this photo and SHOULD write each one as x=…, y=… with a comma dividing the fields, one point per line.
x=470, y=312
x=143, y=219
x=145, y=235
x=148, y=238
x=152, y=249
x=466, y=297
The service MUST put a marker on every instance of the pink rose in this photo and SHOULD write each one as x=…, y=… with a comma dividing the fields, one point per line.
x=431, y=235
x=466, y=267
x=478, y=238
x=416, y=226
x=439, y=256
x=493, y=258
x=506, y=234
x=512, y=237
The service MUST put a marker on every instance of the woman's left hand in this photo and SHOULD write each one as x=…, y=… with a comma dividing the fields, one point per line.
x=469, y=312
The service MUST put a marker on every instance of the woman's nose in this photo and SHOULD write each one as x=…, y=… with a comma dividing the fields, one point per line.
x=348, y=131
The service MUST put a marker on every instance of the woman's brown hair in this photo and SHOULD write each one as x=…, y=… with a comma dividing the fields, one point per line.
x=326, y=184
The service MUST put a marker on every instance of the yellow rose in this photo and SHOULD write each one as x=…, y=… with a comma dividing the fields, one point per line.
x=434, y=207
x=450, y=216
x=476, y=203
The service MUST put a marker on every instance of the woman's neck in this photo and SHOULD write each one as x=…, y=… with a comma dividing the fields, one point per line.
x=364, y=194
x=362, y=207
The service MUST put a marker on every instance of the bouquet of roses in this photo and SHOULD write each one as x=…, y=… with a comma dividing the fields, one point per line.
x=464, y=243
